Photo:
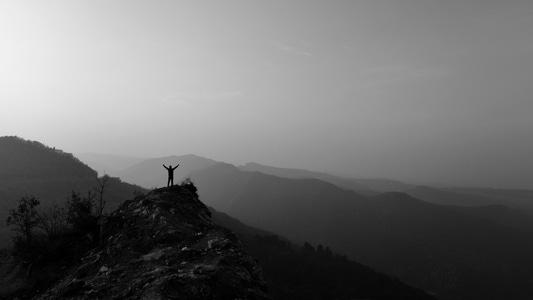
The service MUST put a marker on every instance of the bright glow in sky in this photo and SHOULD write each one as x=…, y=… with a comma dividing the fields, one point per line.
x=416, y=90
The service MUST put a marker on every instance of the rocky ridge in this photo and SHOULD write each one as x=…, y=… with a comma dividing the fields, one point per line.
x=163, y=245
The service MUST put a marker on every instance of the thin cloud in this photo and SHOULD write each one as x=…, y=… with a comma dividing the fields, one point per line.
x=291, y=49
x=202, y=96
x=394, y=72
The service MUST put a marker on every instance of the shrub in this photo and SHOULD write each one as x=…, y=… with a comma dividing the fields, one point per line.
x=189, y=185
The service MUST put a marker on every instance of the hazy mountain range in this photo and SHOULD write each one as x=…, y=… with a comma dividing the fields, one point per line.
x=293, y=272
x=149, y=173
x=444, y=249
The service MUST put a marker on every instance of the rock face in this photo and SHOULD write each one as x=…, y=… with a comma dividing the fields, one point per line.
x=163, y=245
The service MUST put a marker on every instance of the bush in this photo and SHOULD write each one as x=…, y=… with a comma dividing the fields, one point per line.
x=189, y=185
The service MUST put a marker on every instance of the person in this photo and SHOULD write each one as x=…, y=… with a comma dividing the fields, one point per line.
x=170, y=170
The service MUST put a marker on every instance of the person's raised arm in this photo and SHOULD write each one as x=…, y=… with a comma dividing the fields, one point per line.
x=175, y=167
x=165, y=166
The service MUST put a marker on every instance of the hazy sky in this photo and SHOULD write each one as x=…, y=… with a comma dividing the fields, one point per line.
x=416, y=90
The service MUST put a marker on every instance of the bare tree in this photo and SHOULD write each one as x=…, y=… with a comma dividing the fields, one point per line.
x=53, y=221
x=24, y=218
x=102, y=184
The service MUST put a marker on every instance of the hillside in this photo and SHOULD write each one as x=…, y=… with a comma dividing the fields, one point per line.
x=452, y=253
x=49, y=174
x=29, y=160
x=303, y=272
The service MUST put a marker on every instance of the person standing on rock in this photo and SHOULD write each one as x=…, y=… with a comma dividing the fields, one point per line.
x=170, y=170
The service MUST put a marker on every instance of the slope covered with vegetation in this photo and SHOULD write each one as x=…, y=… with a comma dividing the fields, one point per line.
x=305, y=272
x=29, y=168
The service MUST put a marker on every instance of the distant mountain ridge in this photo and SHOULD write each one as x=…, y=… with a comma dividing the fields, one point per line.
x=300, y=174
x=108, y=163
x=519, y=201
x=366, y=186
x=446, y=196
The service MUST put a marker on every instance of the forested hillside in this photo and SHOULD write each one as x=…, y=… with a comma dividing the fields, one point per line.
x=50, y=175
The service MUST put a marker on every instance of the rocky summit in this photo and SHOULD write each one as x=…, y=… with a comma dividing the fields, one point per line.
x=163, y=245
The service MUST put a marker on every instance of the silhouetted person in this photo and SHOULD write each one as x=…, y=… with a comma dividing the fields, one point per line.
x=170, y=170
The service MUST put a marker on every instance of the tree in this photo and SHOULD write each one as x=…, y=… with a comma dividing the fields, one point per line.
x=307, y=248
x=80, y=213
x=53, y=221
x=24, y=218
x=100, y=204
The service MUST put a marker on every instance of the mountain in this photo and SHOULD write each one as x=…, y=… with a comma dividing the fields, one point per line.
x=31, y=160
x=300, y=207
x=512, y=208
x=384, y=185
x=441, y=249
x=503, y=215
x=108, y=164
x=49, y=174
x=299, y=174
x=444, y=197
x=150, y=173
x=163, y=245
x=365, y=186
x=522, y=199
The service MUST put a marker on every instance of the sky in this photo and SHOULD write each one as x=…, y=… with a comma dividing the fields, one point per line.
x=422, y=91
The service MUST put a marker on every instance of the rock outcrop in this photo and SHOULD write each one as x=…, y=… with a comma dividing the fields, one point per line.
x=163, y=245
